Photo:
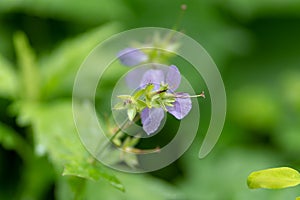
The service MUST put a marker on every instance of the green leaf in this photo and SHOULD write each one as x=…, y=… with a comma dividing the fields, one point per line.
x=77, y=187
x=56, y=135
x=274, y=178
x=70, y=187
x=29, y=73
x=92, y=171
x=138, y=186
x=8, y=79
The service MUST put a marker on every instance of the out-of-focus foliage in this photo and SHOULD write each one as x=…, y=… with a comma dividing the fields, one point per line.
x=42, y=44
x=92, y=11
x=8, y=79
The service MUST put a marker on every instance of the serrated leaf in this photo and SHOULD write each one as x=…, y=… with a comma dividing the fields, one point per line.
x=55, y=133
x=8, y=79
x=90, y=171
x=138, y=186
x=274, y=178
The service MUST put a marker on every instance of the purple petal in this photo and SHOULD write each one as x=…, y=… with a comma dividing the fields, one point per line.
x=173, y=77
x=182, y=106
x=151, y=119
x=133, y=78
x=154, y=76
x=131, y=57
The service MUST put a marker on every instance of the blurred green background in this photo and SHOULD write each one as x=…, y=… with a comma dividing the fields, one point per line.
x=255, y=44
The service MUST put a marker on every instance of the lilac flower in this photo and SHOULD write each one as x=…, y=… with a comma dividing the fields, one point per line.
x=131, y=57
x=152, y=117
x=154, y=76
x=136, y=78
x=182, y=105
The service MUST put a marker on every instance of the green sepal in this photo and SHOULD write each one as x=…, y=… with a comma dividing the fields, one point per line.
x=156, y=104
x=141, y=105
x=149, y=88
x=138, y=94
x=169, y=104
x=148, y=102
x=119, y=106
x=163, y=106
x=124, y=97
x=154, y=97
x=131, y=112
x=164, y=87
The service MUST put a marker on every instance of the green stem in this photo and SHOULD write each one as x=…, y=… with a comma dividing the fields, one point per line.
x=127, y=123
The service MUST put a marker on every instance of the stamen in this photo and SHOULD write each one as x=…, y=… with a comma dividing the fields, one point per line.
x=191, y=96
